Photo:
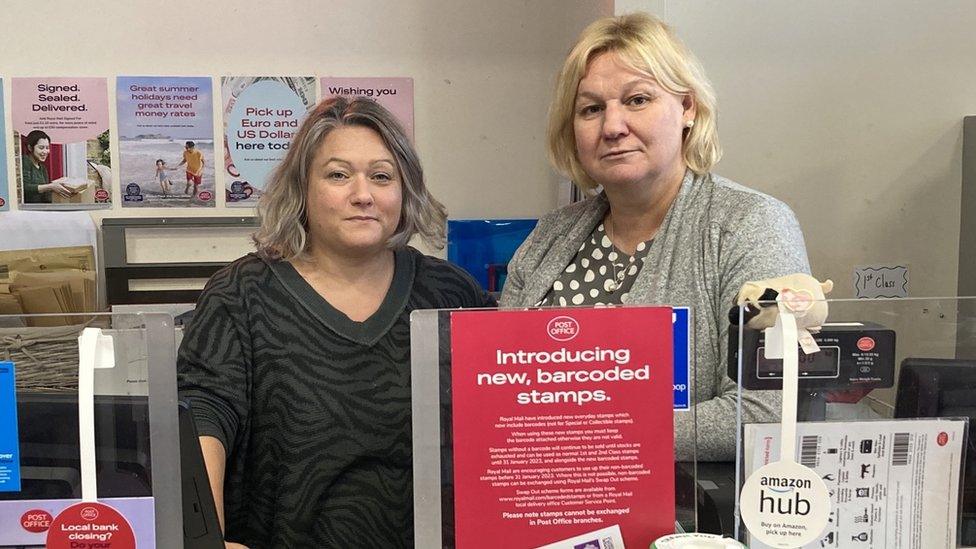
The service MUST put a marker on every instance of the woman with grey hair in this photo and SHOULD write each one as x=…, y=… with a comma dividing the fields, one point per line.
x=296, y=363
x=632, y=123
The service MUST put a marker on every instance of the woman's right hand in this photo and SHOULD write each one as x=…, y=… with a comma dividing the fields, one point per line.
x=55, y=188
x=232, y=545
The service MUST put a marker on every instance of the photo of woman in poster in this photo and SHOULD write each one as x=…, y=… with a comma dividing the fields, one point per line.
x=37, y=165
x=37, y=183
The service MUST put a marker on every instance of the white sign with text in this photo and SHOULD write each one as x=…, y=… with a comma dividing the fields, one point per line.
x=874, y=281
x=893, y=484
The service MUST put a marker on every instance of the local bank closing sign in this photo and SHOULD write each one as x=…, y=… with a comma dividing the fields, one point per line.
x=562, y=424
x=90, y=525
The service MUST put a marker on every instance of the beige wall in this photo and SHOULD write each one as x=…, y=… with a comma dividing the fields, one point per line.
x=482, y=71
x=850, y=111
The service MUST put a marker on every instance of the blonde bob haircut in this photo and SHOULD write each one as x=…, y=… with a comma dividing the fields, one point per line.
x=282, y=209
x=645, y=44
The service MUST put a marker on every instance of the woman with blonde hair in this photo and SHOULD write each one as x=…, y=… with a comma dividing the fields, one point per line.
x=296, y=363
x=632, y=123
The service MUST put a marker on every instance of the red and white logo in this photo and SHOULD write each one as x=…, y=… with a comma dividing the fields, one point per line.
x=865, y=344
x=943, y=438
x=205, y=195
x=89, y=513
x=2, y=202
x=36, y=520
x=101, y=194
x=563, y=328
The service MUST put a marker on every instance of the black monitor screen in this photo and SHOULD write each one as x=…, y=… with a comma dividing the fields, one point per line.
x=929, y=387
x=47, y=425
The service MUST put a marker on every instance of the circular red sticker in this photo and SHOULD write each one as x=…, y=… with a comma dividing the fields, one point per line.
x=101, y=194
x=2, y=202
x=36, y=520
x=943, y=438
x=88, y=525
x=865, y=344
x=205, y=195
x=562, y=328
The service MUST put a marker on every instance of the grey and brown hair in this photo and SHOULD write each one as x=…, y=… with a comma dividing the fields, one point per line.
x=282, y=209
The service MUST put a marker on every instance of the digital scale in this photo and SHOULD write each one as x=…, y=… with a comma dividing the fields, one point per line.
x=853, y=355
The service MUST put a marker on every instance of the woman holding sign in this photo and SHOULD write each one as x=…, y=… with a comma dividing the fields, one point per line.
x=297, y=360
x=632, y=123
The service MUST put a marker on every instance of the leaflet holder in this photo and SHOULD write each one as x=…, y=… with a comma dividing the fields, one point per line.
x=880, y=361
x=537, y=424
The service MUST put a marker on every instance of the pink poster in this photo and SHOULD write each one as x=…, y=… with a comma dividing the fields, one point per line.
x=61, y=142
x=396, y=94
x=562, y=425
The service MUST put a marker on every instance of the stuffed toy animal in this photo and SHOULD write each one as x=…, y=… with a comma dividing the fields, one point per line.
x=800, y=294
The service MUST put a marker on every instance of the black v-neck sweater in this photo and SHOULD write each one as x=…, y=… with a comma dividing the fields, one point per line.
x=312, y=407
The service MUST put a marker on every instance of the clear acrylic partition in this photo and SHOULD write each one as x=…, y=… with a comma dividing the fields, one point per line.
x=542, y=463
x=911, y=361
x=135, y=421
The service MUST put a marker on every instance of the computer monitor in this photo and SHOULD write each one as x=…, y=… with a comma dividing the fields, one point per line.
x=933, y=387
x=51, y=465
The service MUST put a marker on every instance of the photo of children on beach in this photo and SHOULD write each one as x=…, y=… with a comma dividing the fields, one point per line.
x=166, y=145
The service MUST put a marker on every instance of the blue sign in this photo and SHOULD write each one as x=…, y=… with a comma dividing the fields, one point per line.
x=9, y=443
x=682, y=399
x=483, y=247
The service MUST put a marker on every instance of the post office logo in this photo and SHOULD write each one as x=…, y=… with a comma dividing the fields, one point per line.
x=563, y=328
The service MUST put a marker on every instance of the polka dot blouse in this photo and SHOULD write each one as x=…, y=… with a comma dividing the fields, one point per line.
x=600, y=274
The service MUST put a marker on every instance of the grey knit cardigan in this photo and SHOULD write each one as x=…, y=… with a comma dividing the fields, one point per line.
x=716, y=236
